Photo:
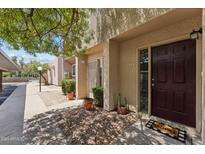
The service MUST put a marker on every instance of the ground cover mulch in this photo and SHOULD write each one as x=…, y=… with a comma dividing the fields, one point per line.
x=76, y=126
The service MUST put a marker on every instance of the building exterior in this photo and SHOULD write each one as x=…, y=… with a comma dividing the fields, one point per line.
x=6, y=64
x=61, y=68
x=153, y=57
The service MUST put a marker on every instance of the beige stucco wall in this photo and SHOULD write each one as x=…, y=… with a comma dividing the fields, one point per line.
x=96, y=55
x=55, y=74
x=111, y=74
x=129, y=86
x=58, y=67
x=203, y=80
x=67, y=68
x=107, y=23
x=81, y=77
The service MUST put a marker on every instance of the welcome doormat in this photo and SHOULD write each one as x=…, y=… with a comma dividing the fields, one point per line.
x=168, y=130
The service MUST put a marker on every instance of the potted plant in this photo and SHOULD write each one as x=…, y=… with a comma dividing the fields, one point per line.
x=68, y=88
x=122, y=107
x=88, y=103
x=71, y=89
x=98, y=95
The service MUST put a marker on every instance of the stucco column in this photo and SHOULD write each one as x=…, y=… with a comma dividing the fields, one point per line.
x=60, y=69
x=81, y=77
x=0, y=81
x=111, y=74
x=203, y=77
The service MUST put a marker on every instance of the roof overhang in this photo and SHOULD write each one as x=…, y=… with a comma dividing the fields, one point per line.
x=6, y=64
x=171, y=17
x=70, y=60
x=95, y=49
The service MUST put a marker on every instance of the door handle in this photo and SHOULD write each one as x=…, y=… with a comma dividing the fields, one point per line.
x=152, y=84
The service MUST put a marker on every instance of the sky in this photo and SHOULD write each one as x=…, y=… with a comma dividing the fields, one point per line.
x=43, y=58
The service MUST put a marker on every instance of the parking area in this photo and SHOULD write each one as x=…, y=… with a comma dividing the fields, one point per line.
x=12, y=113
x=7, y=89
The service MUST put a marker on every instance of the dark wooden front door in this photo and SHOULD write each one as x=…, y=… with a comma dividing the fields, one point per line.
x=174, y=82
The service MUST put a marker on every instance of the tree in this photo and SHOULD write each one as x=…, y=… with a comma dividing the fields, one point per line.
x=55, y=31
x=31, y=69
x=21, y=62
x=14, y=59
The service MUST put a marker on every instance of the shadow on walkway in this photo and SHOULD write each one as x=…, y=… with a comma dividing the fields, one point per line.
x=138, y=134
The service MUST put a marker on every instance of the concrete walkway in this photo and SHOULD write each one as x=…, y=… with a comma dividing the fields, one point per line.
x=36, y=105
x=138, y=134
x=23, y=104
x=12, y=116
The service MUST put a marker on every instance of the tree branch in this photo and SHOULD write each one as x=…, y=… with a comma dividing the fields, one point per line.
x=25, y=20
x=57, y=25
x=33, y=25
x=71, y=23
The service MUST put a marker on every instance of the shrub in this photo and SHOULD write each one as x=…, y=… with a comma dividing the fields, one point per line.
x=98, y=95
x=68, y=86
x=63, y=86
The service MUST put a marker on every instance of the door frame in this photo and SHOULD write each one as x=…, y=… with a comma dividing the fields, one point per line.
x=198, y=74
x=90, y=61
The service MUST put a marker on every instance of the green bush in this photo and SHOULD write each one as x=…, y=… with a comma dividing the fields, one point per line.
x=98, y=95
x=68, y=85
x=63, y=86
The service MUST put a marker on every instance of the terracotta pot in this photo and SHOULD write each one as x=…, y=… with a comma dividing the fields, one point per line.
x=122, y=110
x=88, y=103
x=70, y=96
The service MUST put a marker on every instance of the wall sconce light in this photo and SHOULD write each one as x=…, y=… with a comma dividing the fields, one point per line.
x=195, y=34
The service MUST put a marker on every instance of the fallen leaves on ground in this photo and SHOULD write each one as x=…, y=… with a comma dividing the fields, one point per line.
x=76, y=126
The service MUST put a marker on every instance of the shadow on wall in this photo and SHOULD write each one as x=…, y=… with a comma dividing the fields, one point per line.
x=111, y=22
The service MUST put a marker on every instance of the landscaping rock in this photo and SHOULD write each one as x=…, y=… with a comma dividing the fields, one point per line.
x=76, y=126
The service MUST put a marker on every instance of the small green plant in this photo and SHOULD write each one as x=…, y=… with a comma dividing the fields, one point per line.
x=68, y=86
x=98, y=95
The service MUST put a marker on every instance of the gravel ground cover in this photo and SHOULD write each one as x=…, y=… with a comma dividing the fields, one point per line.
x=76, y=126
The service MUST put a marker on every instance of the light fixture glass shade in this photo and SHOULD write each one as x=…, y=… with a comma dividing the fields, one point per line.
x=39, y=68
x=194, y=35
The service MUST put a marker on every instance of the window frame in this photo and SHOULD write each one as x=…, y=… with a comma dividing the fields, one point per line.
x=139, y=80
x=73, y=70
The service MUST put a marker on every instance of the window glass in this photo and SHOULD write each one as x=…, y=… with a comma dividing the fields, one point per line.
x=101, y=72
x=73, y=70
x=143, y=59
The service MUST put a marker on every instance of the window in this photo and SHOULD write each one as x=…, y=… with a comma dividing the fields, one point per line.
x=143, y=59
x=92, y=76
x=101, y=72
x=73, y=70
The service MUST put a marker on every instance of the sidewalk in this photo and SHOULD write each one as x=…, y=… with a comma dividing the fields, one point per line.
x=36, y=105
x=12, y=116
x=139, y=134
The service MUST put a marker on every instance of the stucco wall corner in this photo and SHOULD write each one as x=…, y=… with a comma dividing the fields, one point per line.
x=81, y=77
x=111, y=74
x=203, y=78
